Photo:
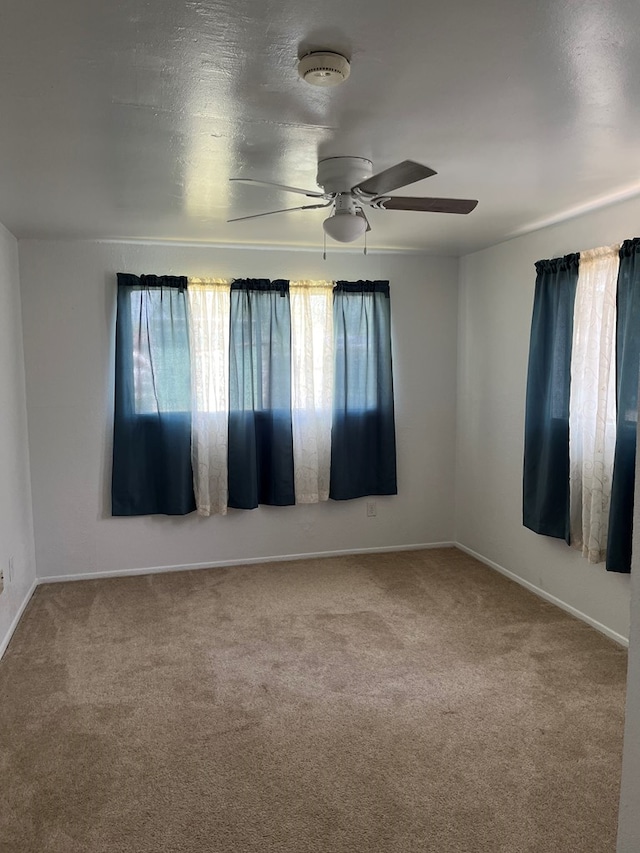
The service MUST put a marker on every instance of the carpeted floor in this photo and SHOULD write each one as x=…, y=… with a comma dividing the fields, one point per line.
x=391, y=703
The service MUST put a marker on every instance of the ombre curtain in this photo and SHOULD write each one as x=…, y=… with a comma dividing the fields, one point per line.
x=152, y=426
x=260, y=450
x=628, y=361
x=363, y=443
x=546, y=440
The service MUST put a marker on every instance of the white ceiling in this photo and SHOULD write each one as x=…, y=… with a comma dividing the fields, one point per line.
x=125, y=118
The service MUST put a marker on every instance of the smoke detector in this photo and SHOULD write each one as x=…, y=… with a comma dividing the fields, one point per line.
x=324, y=68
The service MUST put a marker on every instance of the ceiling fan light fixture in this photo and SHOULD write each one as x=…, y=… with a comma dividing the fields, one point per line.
x=345, y=227
x=324, y=68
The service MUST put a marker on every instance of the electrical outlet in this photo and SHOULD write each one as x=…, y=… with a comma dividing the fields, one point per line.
x=371, y=509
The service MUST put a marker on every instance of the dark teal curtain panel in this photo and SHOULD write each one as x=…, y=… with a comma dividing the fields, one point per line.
x=627, y=366
x=363, y=438
x=152, y=428
x=546, y=442
x=260, y=429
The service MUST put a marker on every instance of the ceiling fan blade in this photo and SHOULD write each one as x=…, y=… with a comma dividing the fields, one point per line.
x=282, y=210
x=395, y=177
x=431, y=205
x=310, y=193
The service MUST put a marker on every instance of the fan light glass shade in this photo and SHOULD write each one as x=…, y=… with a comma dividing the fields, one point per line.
x=345, y=227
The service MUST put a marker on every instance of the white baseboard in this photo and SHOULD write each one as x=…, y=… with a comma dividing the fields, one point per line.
x=619, y=638
x=187, y=567
x=14, y=624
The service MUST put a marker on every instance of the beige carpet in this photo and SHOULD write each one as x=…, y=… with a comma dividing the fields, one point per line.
x=405, y=702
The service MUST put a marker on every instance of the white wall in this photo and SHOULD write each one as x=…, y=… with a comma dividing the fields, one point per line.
x=629, y=818
x=16, y=522
x=68, y=293
x=496, y=300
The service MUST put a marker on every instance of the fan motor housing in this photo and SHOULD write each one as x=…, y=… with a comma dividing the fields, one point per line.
x=339, y=174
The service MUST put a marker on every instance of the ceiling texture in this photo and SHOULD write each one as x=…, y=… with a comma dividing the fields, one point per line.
x=126, y=118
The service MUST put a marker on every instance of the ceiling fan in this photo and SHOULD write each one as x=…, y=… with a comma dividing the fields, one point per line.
x=349, y=186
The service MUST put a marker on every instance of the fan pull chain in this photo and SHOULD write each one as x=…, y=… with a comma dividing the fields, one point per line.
x=324, y=246
x=365, y=242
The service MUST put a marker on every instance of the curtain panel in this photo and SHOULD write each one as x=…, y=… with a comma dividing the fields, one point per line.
x=152, y=471
x=311, y=387
x=260, y=428
x=363, y=443
x=546, y=441
x=627, y=364
x=592, y=404
x=209, y=319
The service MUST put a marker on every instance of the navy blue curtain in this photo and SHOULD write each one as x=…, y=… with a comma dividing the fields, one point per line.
x=363, y=439
x=627, y=365
x=152, y=427
x=260, y=429
x=546, y=441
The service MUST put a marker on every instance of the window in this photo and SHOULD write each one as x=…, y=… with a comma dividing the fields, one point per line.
x=581, y=416
x=244, y=373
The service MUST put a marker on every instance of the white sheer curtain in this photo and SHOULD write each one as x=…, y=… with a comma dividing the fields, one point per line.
x=311, y=386
x=592, y=406
x=209, y=303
